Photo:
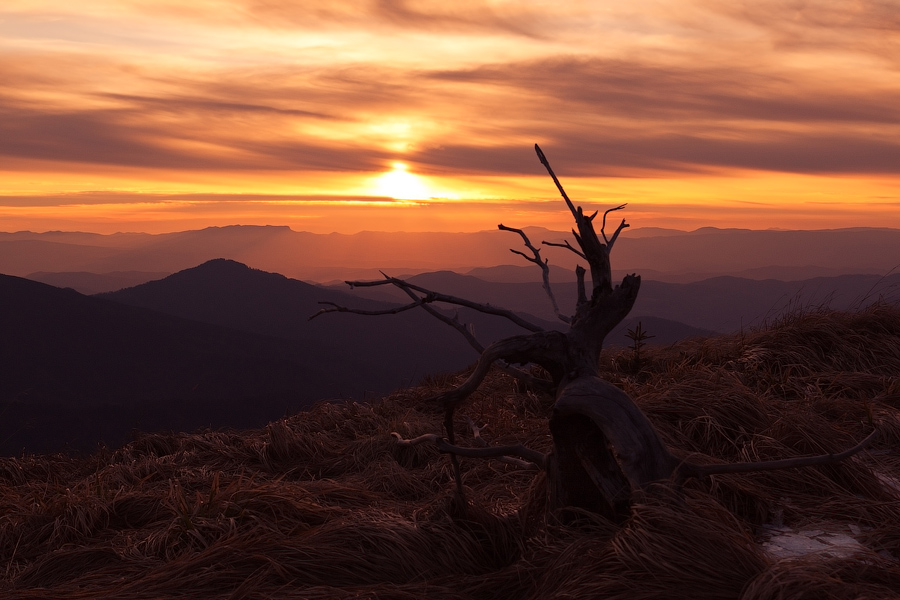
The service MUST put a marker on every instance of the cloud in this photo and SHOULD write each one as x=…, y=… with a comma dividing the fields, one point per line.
x=601, y=116
x=294, y=86
x=136, y=138
x=836, y=26
x=460, y=17
x=593, y=155
x=180, y=104
x=654, y=90
x=101, y=197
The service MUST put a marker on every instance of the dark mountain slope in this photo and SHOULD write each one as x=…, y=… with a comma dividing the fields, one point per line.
x=376, y=353
x=77, y=369
x=664, y=331
x=728, y=304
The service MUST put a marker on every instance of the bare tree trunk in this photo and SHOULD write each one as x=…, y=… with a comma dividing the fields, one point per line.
x=604, y=447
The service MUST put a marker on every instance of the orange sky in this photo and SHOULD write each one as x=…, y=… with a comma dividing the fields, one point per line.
x=163, y=115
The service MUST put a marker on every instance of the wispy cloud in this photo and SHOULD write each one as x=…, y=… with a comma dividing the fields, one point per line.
x=867, y=26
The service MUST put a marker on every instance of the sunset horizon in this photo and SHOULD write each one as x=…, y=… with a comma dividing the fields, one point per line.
x=393, y=116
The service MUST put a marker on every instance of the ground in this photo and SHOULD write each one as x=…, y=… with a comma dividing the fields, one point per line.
x=325, y=505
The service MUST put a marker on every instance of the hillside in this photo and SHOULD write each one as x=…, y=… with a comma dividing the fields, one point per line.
x=79, y=370
x=220, y=344
x=369, y=353
x=324, y=504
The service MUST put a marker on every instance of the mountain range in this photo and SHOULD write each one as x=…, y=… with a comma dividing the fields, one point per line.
x=661, y=255
x=218, y=343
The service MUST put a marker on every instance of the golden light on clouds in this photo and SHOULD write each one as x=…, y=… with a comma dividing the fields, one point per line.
x=162, y=115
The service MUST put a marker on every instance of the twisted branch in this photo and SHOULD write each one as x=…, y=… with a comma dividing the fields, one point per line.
x=359, y=311
x=532, y=456
x=473, y=341
x=480, y=441
x=546, y=348
x=622, y=225
x=688, y=469
x=543, y=264
x=566, y=245
x=432, y=296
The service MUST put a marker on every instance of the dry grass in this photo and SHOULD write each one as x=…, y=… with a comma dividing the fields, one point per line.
x=324, y=504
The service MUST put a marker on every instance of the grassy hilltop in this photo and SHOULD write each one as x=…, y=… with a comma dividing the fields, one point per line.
x=325, y=505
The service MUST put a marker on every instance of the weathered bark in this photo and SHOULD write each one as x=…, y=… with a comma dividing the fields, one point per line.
x=603, y=448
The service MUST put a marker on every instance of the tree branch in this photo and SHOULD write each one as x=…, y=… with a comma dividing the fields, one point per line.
x=559, y=186
x=542, y=263
x=595, y=252
x=358, y=311
x=432, y=296
x=615, y=236
x=688, y=469
x=546, y=348
x=454, y=323
x=473, y=341
x=603, y=224
x=481, y=443
x=566, y=245
x=532, y=456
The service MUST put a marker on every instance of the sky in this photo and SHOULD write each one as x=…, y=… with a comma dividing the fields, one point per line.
x=392, y=115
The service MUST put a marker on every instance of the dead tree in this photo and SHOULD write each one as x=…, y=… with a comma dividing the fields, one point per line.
x=604, y=447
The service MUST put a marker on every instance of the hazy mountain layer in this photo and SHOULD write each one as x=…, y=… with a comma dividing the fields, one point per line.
x=96, y=283
x=662, y=255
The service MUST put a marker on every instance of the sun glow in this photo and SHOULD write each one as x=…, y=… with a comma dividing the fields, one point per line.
x=400, y=184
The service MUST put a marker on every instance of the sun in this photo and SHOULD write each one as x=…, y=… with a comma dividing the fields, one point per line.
x=400, y=184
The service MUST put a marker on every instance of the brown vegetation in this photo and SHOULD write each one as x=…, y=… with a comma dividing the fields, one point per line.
x=324, y=504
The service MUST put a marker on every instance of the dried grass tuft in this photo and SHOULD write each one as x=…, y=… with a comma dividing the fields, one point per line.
x=820, y=578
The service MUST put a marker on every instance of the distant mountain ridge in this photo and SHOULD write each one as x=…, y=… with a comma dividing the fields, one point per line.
x=96, y=283
x=663, y=254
